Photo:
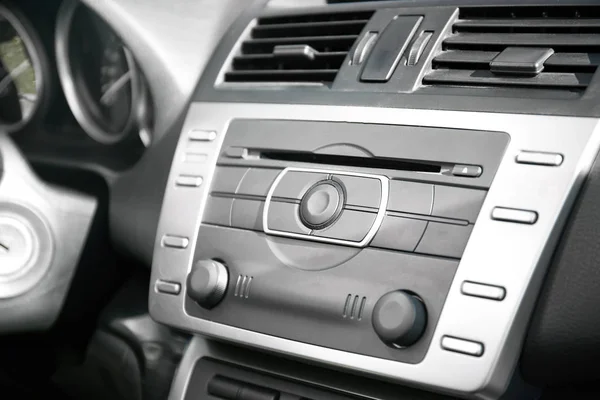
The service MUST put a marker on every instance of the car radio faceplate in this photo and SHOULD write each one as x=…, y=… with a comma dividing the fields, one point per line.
x=484, y=222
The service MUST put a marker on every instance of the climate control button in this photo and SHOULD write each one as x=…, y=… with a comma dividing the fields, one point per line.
x=399, y=318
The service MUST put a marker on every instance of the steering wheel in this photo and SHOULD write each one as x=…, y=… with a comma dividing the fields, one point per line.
x=42, y=233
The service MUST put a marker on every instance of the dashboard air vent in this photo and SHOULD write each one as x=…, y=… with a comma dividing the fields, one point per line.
x=307, y=48
x=520, y=47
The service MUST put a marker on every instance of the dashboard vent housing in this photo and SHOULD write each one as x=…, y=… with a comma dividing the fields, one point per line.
x=301, y=48
x=570, y=34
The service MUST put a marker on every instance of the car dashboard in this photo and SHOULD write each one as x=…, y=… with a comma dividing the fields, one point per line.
x=339, y=200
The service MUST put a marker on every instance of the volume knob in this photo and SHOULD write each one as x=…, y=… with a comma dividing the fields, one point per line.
x=399, y=318
x=207, y=282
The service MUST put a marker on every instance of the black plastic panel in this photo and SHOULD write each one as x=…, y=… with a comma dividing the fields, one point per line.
x=348, y=90
x=296, y=304
x=208, y=370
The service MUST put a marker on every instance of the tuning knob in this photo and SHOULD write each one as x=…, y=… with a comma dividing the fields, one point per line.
x=207, y=282
x=399, y=318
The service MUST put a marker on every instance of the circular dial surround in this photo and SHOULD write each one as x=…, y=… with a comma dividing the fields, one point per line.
x=23, y=69
x=101, y=80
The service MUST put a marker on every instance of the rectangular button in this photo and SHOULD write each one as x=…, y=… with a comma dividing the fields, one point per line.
x=218, y=211
x=175, y=242
x=189, y=180
x=363, y=192
x=227, y=179
x=490, y=292
x=236, y=152
x=539, y=158
x=462, y=346
x=202, y=135
x=389, y=48
x=284, y=217
x=351, y=226
x=257, y=181
x=247, y=214
x=410, y=197
x=457, y=203
x=398, y=233
x=167, y=287
x=514, y=215
x=193, y=157
x=445, y=240
x=467, y=171
x=294, y=184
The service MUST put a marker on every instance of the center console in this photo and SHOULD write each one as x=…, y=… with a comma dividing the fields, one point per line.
x=404, y=244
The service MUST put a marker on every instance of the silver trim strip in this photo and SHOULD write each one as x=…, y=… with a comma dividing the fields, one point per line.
x=385, y=188
x=462, y=346
x=166, y=287
x=202, y=135
x=500, y=326
x=175, y=242
x=490, y=292
x=537, y=158
x=527, y=217
x=189, y=181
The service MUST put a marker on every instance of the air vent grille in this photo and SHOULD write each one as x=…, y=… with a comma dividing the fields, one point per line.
x=308, y=48
x=481, y=34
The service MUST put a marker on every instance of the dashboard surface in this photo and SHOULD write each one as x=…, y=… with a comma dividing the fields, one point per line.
x=357, y=186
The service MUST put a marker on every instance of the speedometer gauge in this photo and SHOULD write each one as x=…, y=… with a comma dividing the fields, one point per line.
x=100, y=78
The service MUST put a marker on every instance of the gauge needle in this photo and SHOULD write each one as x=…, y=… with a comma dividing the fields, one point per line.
x=15, y=73
x=115, y=87
x=3, y=248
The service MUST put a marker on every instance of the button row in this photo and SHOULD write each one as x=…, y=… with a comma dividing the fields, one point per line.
x=236, y=213
x=244, y=181
x=420, y=236
x=435, y=200
x=359, y=191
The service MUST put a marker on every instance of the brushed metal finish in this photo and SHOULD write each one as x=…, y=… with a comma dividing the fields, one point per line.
x=500, y=326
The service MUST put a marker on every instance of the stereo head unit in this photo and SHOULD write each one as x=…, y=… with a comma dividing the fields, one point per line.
x=375, y=240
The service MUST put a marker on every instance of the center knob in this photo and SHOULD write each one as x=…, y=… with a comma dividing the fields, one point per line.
x=322, y=204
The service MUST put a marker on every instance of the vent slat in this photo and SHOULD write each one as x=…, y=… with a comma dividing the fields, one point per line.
x=523, y=39
x=309, y=29
x=268, y=61
x=319, y=43
x=530, y=24
x=300, y=18
x=487, y=78
x=281, y=75
x=482, y=33
x=306, y=49
x=485, y=57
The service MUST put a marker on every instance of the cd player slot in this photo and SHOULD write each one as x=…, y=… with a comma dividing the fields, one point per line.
x=348, y=161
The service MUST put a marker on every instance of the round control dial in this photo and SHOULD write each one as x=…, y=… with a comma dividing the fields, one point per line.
x=399, y=318
x=322, y=204
x=207, y=282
